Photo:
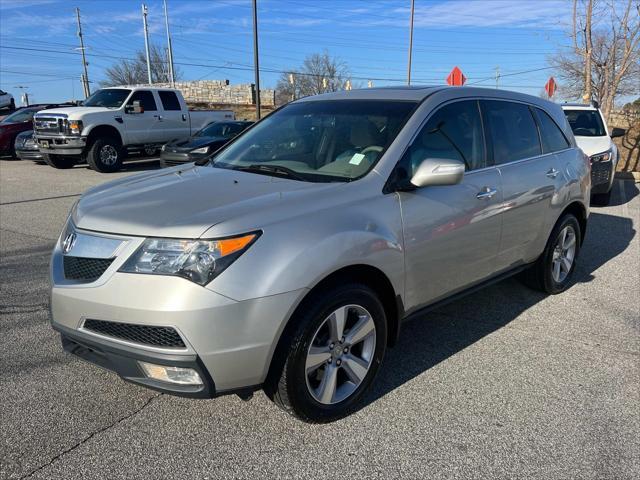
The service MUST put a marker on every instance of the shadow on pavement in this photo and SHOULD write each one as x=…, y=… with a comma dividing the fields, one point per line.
x=428, y=340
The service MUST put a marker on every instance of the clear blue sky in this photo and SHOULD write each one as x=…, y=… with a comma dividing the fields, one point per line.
x=213, y=39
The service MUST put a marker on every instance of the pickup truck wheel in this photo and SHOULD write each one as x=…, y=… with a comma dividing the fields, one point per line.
x=333, y=355
x=58, y=161
x=105, y=155
x=553, y=270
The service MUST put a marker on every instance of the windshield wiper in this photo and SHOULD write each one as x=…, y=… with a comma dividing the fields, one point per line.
x=277, y=169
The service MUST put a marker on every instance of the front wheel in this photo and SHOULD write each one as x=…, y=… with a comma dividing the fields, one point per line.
x=105, y=155
x=333, y=356
x=58, y=161
x=553, y=270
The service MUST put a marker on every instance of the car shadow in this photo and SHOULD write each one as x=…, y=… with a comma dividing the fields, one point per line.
x=623, y=192
x=430, y=339
x=131, y=165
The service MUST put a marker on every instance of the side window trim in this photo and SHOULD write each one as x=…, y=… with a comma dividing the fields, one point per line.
x=536, y=122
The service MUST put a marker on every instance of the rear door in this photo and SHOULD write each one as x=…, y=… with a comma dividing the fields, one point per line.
x=529, y=179
x=451, y=233
x=175, y=122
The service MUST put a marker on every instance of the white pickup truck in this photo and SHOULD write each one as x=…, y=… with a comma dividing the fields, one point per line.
x=114, y=120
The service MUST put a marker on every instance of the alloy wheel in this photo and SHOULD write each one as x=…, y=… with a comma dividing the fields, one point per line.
x=564, y=254
x=108, y=155
x=340, y=354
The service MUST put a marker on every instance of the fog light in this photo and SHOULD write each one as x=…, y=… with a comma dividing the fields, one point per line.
x=182, y=376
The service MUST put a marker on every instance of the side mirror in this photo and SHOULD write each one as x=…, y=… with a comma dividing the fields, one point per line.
x=135, y=107
x=618, y=132
x=438, y=171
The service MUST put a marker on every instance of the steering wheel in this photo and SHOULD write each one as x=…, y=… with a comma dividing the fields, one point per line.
x=372, y=148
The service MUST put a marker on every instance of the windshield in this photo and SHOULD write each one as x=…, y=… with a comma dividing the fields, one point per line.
x=221, y=129
x=585, y=123
x=319, y=140
x=110, y=98
x=19, y=116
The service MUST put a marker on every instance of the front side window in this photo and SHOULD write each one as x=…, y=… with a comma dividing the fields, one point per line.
x=169, y=100
x=514, y=134
x=319, y=140
x=585, y=123
x=145, y=97
x=553, y=140
x=109, y=98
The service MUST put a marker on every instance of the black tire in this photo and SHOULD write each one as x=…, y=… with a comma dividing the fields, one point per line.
x=602, y=199
x=150, y=151
x=287, y=384
x=540, y=275
x=105, y=155
x=58, y=161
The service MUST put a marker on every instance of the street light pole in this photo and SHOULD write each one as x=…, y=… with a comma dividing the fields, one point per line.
x=166, y=23
x=255, y=58
x=85, y=78
x=410, y=43
x=146, y=41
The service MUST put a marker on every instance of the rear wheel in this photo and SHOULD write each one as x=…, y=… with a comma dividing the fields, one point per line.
x=333, y=356
x=553, y=270
x=58, y=161
x=105, y=155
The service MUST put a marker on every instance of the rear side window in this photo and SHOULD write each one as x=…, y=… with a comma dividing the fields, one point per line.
x=453, y=132
x=514, y=134
x=553, y=140
x=145, y=97
x=169, y=100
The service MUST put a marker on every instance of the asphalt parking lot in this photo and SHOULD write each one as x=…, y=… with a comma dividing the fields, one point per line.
x=507, y=383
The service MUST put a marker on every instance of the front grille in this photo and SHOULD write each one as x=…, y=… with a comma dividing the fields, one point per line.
x=600, y=172
x=165, y=337
x=85, y=269
x=51, y=125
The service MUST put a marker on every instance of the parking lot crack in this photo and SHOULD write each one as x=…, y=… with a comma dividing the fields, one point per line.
x=90, y=436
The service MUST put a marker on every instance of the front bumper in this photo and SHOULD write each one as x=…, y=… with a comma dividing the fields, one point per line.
x=233, y=341
x=601, y=176
x=29, y=154
x=61, y=144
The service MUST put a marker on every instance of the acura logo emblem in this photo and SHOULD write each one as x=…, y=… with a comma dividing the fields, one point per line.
x=69, y=242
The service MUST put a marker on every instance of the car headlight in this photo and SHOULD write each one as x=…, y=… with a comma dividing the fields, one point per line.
x=74, y=127
x=601, y=157
x=197, y=260
x=164, y=147
x=201, y=150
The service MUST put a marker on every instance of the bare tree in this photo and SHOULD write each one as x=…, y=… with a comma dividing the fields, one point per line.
x=319, y=73
x=134, y=71
x=605, y=58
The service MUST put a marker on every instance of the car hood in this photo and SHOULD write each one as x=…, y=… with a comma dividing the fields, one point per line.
x=76, y=111
x=194, y=142
x=593, y=145
x=183, y=202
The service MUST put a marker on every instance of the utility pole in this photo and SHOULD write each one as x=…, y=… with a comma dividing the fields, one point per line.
x=170, y=55
x=255, y=57
x=85, y=76
x=146, y=41
x=497, y=75
x=410, y=43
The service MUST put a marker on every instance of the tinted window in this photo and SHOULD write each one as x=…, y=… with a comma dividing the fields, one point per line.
x=513, y=131
x=320, y=141
x=169, y=100
x=552, y=137
x=110, y=98
x=22, y=115
x=585, y=123
x=146, y=99
x=453, y=132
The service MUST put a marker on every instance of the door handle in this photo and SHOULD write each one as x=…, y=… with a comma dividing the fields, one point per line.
x=486, y=193
x=553, y=173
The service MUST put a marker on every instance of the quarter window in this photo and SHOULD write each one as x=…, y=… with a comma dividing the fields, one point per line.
x=553, y=140
x=514, y=135
x=453, y=132
x=147, y=102
x=169, y=100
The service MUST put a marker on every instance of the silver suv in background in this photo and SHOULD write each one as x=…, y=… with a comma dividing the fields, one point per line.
x=289, y=261
x=592, y=136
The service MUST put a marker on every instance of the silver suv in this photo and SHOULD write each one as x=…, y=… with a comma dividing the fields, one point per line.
x=289, y=261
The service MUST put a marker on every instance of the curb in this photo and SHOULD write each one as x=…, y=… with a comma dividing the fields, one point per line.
x=635, y=176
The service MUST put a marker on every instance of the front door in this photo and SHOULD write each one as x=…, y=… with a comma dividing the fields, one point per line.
x=141, y=128
x=451, y=233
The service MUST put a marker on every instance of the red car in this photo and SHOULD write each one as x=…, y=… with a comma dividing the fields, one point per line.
x=15, y=123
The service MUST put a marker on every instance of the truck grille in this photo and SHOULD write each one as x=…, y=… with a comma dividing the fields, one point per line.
x=164, y=337
x=48, y=124
x=85, y=269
